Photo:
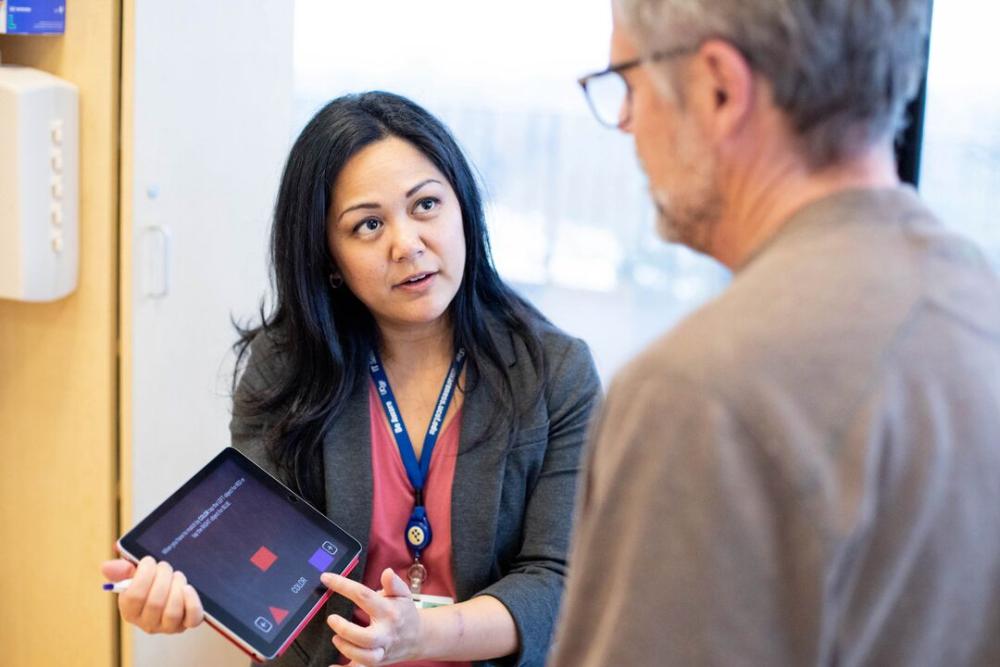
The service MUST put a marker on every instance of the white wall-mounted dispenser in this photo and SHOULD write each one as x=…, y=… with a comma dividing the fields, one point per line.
x=39, y=185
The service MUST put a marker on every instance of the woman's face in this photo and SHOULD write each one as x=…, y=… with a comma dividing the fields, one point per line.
x=395, y=234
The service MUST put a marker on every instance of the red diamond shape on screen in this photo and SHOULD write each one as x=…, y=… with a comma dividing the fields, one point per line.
x=264, y=558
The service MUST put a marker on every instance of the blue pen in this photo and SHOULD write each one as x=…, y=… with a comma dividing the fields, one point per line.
x=118, y=586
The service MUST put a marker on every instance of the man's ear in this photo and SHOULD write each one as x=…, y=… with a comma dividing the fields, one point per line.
x=724, y=88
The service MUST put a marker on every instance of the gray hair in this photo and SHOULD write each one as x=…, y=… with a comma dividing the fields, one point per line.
x=842, y=71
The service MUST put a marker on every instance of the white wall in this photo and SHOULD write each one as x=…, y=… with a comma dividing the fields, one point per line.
x=211, y=122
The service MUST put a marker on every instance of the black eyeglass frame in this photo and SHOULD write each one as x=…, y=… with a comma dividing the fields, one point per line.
x=618, y=68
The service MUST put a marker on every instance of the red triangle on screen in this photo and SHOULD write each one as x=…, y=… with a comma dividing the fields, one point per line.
x=278, y=613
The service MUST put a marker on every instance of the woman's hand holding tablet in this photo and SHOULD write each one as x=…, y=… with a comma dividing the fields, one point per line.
x=158, y=599
x=252, y=549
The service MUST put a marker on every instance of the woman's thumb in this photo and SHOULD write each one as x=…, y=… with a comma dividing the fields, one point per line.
x=393, y=585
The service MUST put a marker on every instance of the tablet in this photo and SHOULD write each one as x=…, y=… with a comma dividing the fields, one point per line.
x=252, y=548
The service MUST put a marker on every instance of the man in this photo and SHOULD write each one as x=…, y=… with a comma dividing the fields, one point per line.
x=807, y=470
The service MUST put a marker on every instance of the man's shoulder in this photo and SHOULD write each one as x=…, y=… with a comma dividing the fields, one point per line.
x=806, y=327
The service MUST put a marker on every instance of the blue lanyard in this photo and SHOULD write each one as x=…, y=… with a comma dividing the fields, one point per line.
x=418, y=533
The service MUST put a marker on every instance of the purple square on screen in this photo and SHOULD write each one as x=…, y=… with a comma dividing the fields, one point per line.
x=321, y=560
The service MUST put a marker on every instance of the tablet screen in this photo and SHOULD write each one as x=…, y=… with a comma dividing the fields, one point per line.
x=252, y=549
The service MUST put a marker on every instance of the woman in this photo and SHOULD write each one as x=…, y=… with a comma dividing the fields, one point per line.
x=383, y=275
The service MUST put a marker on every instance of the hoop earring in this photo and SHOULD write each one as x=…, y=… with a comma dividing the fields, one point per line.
x=336, y=280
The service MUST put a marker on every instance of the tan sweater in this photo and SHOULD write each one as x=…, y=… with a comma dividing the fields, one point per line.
x=807, y=470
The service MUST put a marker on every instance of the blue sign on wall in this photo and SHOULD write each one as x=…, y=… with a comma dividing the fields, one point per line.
x=33, y=17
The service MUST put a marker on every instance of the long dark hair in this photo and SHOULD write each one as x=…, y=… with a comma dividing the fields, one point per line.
x=324, y=335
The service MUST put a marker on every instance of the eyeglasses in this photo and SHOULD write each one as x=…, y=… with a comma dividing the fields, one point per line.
x=608, y=93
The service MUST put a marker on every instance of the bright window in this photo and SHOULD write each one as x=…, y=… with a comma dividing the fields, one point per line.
x=960, y=166
x=569, y=214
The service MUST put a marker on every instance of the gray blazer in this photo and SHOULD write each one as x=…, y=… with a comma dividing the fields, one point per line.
x=512, y=496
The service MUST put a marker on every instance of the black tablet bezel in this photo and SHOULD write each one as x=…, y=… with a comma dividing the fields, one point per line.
x=129, y=543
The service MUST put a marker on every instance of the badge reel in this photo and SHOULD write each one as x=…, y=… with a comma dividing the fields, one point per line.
x=418, y=536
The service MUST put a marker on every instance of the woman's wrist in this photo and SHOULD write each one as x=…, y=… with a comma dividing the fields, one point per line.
x=435, y=633
x=478, y=629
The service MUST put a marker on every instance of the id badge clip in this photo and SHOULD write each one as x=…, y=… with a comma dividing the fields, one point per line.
x=423, y=601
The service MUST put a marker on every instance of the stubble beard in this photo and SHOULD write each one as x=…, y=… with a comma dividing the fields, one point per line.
x=689, y=214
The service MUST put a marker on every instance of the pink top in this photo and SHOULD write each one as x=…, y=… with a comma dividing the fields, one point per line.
x=392, y=502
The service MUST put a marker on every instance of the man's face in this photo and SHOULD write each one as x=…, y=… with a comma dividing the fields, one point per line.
x=673, y=152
